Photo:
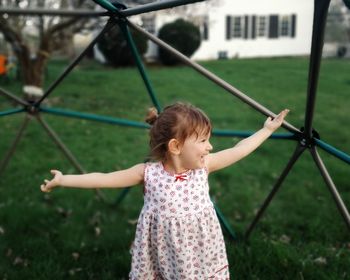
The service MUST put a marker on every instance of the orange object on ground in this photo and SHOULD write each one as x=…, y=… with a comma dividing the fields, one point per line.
x=3, y=63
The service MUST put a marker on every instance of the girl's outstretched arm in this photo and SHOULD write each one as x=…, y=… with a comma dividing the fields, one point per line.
x=118, y=179
x=243, y=148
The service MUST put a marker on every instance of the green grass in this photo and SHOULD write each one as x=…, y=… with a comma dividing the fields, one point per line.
x=71, y=233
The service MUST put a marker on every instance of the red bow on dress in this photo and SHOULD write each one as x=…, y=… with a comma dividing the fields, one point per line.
x=181, y=177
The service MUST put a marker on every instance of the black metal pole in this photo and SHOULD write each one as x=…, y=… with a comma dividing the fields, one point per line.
x=155, y=6
x=13, y=97
x=60, y=144
x=220, y=82
x=65, y=150
x=70, y=67
x=145, y=8
x=12, y=149
x=47, y=12
x=319, y=23
x=331, y=186
x=298, y=151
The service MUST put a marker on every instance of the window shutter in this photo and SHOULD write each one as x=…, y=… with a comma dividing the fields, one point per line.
x=228, y=28
x=246, y=23
x=273, y=26
x=294, y=21
x=253, y=27
x=205, y=34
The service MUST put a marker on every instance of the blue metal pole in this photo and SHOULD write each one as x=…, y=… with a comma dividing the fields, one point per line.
x=243, y=134
x=11, y=112
x=93, y=117
x=335, y=152
x=140, y=65
x=150, y=7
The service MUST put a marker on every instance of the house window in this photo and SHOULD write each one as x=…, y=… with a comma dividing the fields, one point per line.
x=262, y=26
x=148, y=23
x=237, y=27
x=269, y=26
x=285, y=24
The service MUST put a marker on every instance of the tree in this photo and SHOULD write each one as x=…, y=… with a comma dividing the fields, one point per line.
x=116, y=50
x=32, y=37
x=46, y=33
x=338, y=22
x=183, y=36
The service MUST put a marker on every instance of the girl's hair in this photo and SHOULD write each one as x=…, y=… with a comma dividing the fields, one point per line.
x=178, y=121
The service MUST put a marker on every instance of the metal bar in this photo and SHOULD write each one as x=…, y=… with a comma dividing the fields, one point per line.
x=331, y=186
x=11, y=112
x=12, y=149
x=93, y=117
x=121, y=196
x=123, y=122
x=333, y=151
x=140, y=65
x=243, y=134
x=224, y=222
x=13, y=97
x=319, y=23
x=47, y=12
x=105, y=4
x=60, y=144
x=213, y=77
x=298, y=151
x=73, y=64
x=66, y=151
x=145, y=8
x=155, y=6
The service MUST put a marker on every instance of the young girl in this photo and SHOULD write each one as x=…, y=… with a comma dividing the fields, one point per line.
x=178, y=235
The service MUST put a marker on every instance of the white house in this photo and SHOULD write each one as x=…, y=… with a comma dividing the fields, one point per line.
x=242, y=28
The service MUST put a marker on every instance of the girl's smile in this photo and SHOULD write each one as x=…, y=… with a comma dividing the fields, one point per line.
x=194, y=151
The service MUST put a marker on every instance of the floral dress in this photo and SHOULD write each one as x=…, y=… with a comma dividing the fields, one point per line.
x=178, y=234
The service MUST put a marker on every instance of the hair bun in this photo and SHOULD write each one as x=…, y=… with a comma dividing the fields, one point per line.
x=152, y=115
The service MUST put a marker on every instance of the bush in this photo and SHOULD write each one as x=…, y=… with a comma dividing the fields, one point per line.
x=115, y=48
x=184, y=36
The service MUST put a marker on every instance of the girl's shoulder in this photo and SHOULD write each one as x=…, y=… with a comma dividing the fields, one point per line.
x=151, y=167
x=153, y=164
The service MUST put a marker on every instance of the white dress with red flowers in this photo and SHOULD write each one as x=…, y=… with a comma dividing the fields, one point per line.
x=178, y=234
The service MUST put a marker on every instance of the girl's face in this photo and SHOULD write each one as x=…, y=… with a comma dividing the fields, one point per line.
x=194, y=151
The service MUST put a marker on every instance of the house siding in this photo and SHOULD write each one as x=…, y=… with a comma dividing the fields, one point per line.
x=298, y=15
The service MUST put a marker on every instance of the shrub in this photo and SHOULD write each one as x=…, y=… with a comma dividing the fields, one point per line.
x=184, y=36
x=115, y=48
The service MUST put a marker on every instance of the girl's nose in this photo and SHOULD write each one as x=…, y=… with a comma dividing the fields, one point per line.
x=210, y=147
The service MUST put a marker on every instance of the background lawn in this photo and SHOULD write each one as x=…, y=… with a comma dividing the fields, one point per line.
x=72, y=233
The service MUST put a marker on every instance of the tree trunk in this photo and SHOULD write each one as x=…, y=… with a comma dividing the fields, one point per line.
x=33, y=67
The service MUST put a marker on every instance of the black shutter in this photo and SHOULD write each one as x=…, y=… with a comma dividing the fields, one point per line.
x=205, y=34
x=228, y=28
x=294, y=22
x=253, y=27
x=246, y=22
x=273, y=26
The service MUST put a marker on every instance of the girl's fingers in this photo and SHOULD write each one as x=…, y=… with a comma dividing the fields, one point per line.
x=44, y=188
x=54, y=172
x=47, y=187
x=282, y=115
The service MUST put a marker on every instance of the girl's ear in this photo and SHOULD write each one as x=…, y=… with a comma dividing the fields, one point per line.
x=174, y=147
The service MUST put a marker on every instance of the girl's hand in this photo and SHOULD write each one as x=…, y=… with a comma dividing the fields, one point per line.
x=55, y=181
x=273, y=124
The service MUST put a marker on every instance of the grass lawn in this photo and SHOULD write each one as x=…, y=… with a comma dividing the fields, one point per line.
x=74, y=234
